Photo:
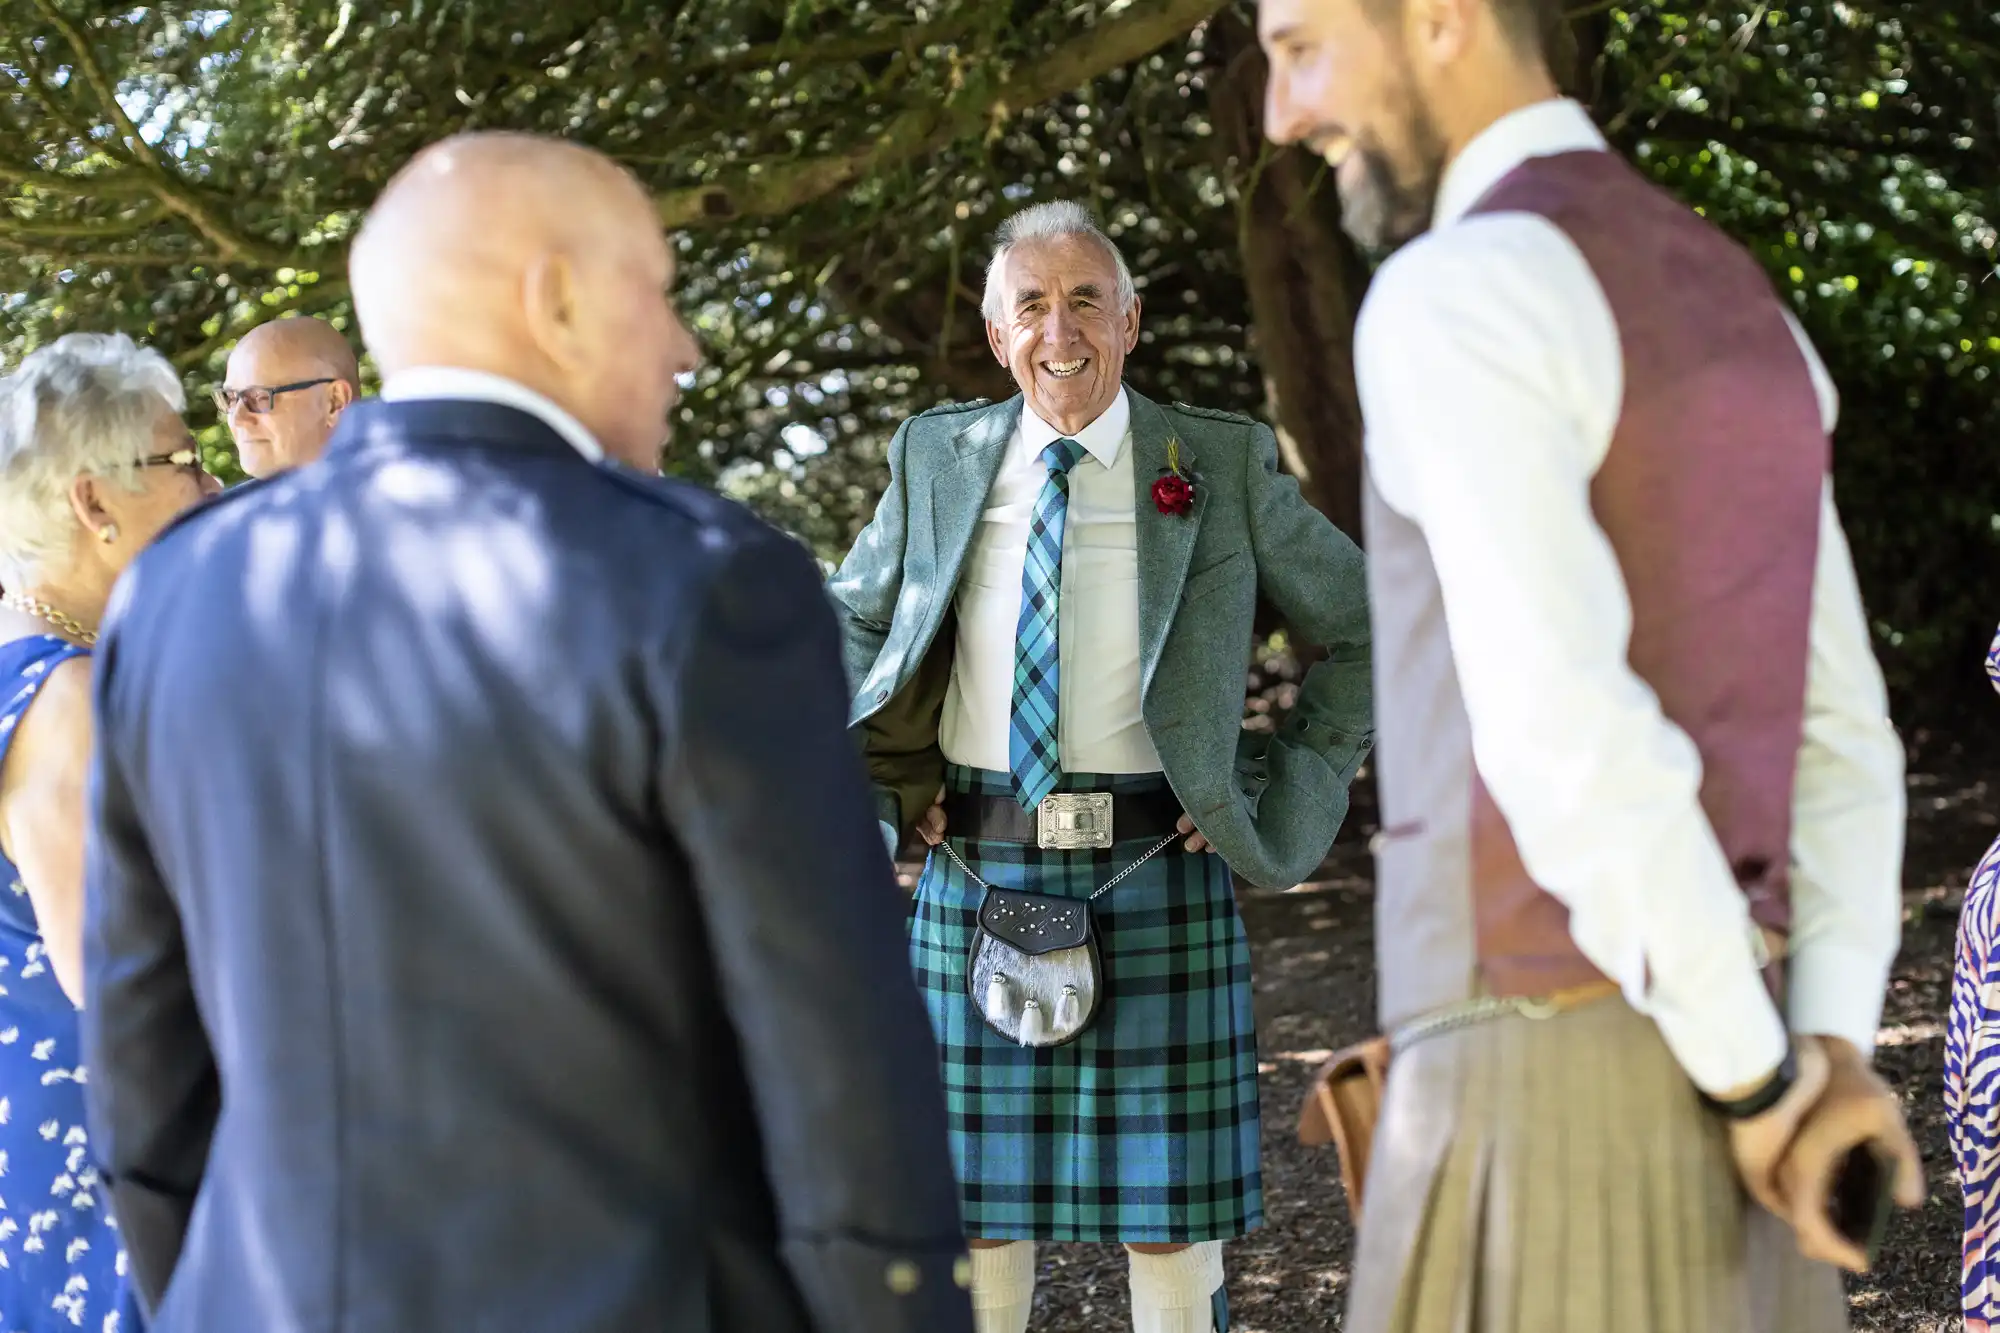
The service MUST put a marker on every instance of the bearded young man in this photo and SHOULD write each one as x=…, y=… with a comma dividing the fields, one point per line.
x=1653, y=747
x=1050, y=617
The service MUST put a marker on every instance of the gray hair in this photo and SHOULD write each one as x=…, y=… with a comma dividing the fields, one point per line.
x=86, y=403
x=1057, y=217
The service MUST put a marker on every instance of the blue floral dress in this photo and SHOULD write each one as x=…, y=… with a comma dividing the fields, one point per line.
x=1972, y=1078
x=61, y=1267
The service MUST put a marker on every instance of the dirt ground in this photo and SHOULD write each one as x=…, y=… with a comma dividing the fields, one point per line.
x=1314, y=983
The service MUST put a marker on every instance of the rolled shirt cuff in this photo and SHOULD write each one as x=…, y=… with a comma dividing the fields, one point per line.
x=1837, y=990
x=1731, y=1035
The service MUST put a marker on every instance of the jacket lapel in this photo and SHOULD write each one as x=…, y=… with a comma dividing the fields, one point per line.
x=959, y=490
x=1165, y=542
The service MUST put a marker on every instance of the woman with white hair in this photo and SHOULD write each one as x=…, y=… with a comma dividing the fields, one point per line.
x=94, y=461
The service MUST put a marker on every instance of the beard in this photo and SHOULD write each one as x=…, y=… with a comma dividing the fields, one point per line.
x=1392, y=201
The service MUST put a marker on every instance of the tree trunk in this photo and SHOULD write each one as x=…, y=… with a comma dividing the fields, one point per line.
x=1305, y=281
x=1576, y=57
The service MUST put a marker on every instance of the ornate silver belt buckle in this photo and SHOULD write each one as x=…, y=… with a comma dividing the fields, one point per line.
x=1069, y=821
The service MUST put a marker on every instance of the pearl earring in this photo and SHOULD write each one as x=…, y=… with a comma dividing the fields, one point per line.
x=108, y=533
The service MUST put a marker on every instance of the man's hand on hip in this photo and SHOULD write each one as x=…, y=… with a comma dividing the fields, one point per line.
x=931, y=827
x=1197, y=843
x=1857, y=1107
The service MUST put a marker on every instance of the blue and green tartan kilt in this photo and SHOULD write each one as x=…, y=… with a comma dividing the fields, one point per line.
x=1142, y=1130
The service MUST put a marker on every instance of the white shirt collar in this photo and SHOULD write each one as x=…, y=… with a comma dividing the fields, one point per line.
x=479, y=386
x=1544, y=129
x=1101, y=439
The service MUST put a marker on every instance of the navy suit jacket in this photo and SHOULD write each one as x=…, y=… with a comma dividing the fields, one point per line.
x=487, y=927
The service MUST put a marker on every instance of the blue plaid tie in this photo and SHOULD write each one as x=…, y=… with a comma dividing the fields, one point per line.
x=1031, y=739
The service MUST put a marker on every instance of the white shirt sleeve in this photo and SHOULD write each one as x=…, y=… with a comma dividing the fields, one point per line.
x=1848, y=802
x=1490, y=380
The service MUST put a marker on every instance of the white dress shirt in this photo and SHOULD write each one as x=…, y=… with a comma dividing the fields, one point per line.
x=1098, y=725
x=457, y=384
x=1491, y=380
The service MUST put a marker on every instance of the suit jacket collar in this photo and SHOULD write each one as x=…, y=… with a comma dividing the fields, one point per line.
x=958, y=492
x=373, y=423
x=457, y=384
x=1165, y=541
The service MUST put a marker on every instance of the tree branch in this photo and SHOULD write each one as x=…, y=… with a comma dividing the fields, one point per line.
x=772, y=188
x=1946, y=30
x=838, y=50
x=164, y=184
x=122, y=183
x=230, y=244
x=104, y=258
x=38, y=83
x=139, y=221
x=814, y=362
x=1943, y=246
x=1747, y=134
x=93, y=72
x=12, y=224
x=316, y=297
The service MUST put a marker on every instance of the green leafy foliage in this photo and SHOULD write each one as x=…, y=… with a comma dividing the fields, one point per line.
x=834, y=170
x=1853, y=148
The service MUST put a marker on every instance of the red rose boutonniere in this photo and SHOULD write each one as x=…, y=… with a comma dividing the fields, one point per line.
x=1173, y=493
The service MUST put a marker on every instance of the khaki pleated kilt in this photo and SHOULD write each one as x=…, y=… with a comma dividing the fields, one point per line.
x=1561, y=1176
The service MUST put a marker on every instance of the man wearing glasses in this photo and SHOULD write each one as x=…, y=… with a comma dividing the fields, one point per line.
x=287, y=384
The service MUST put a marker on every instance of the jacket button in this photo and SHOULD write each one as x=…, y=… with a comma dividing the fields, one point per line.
x=961, y=1272
x=903, y=1277
x=881, y=696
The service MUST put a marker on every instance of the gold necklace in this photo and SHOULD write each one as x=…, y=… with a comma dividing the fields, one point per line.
x=68, y=624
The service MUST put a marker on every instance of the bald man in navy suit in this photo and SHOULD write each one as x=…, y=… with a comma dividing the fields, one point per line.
x=488, y=927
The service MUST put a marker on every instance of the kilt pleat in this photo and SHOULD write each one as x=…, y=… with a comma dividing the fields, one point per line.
x=1561, y=1176
x=1145, y=1128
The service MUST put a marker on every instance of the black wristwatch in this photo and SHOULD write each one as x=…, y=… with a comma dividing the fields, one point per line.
x=1762, y=1099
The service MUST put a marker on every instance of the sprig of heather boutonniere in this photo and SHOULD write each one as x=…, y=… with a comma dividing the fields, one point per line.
x=1173, y=493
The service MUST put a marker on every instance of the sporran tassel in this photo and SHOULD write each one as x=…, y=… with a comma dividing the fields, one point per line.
x=997, y=999
x=1069, y=1010
x=1032, y=1028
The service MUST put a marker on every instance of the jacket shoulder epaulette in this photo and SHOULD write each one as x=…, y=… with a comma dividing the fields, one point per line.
x=1215, y=414
x=951, y=409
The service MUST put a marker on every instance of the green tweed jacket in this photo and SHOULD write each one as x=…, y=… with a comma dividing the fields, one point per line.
x=1269, y=804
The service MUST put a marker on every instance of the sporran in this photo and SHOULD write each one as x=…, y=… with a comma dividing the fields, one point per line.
x=1033, y=968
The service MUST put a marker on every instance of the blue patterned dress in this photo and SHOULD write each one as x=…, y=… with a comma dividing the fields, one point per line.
x=60, y=1264
x=1972, y=1078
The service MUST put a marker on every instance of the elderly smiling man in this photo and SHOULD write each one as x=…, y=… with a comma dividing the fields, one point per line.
x=1048, y=623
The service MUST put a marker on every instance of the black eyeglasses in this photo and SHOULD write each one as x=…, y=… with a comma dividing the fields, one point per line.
x=258, y=398
x=186, y=460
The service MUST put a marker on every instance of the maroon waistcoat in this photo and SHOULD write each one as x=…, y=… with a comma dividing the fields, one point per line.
x=1710, y=497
